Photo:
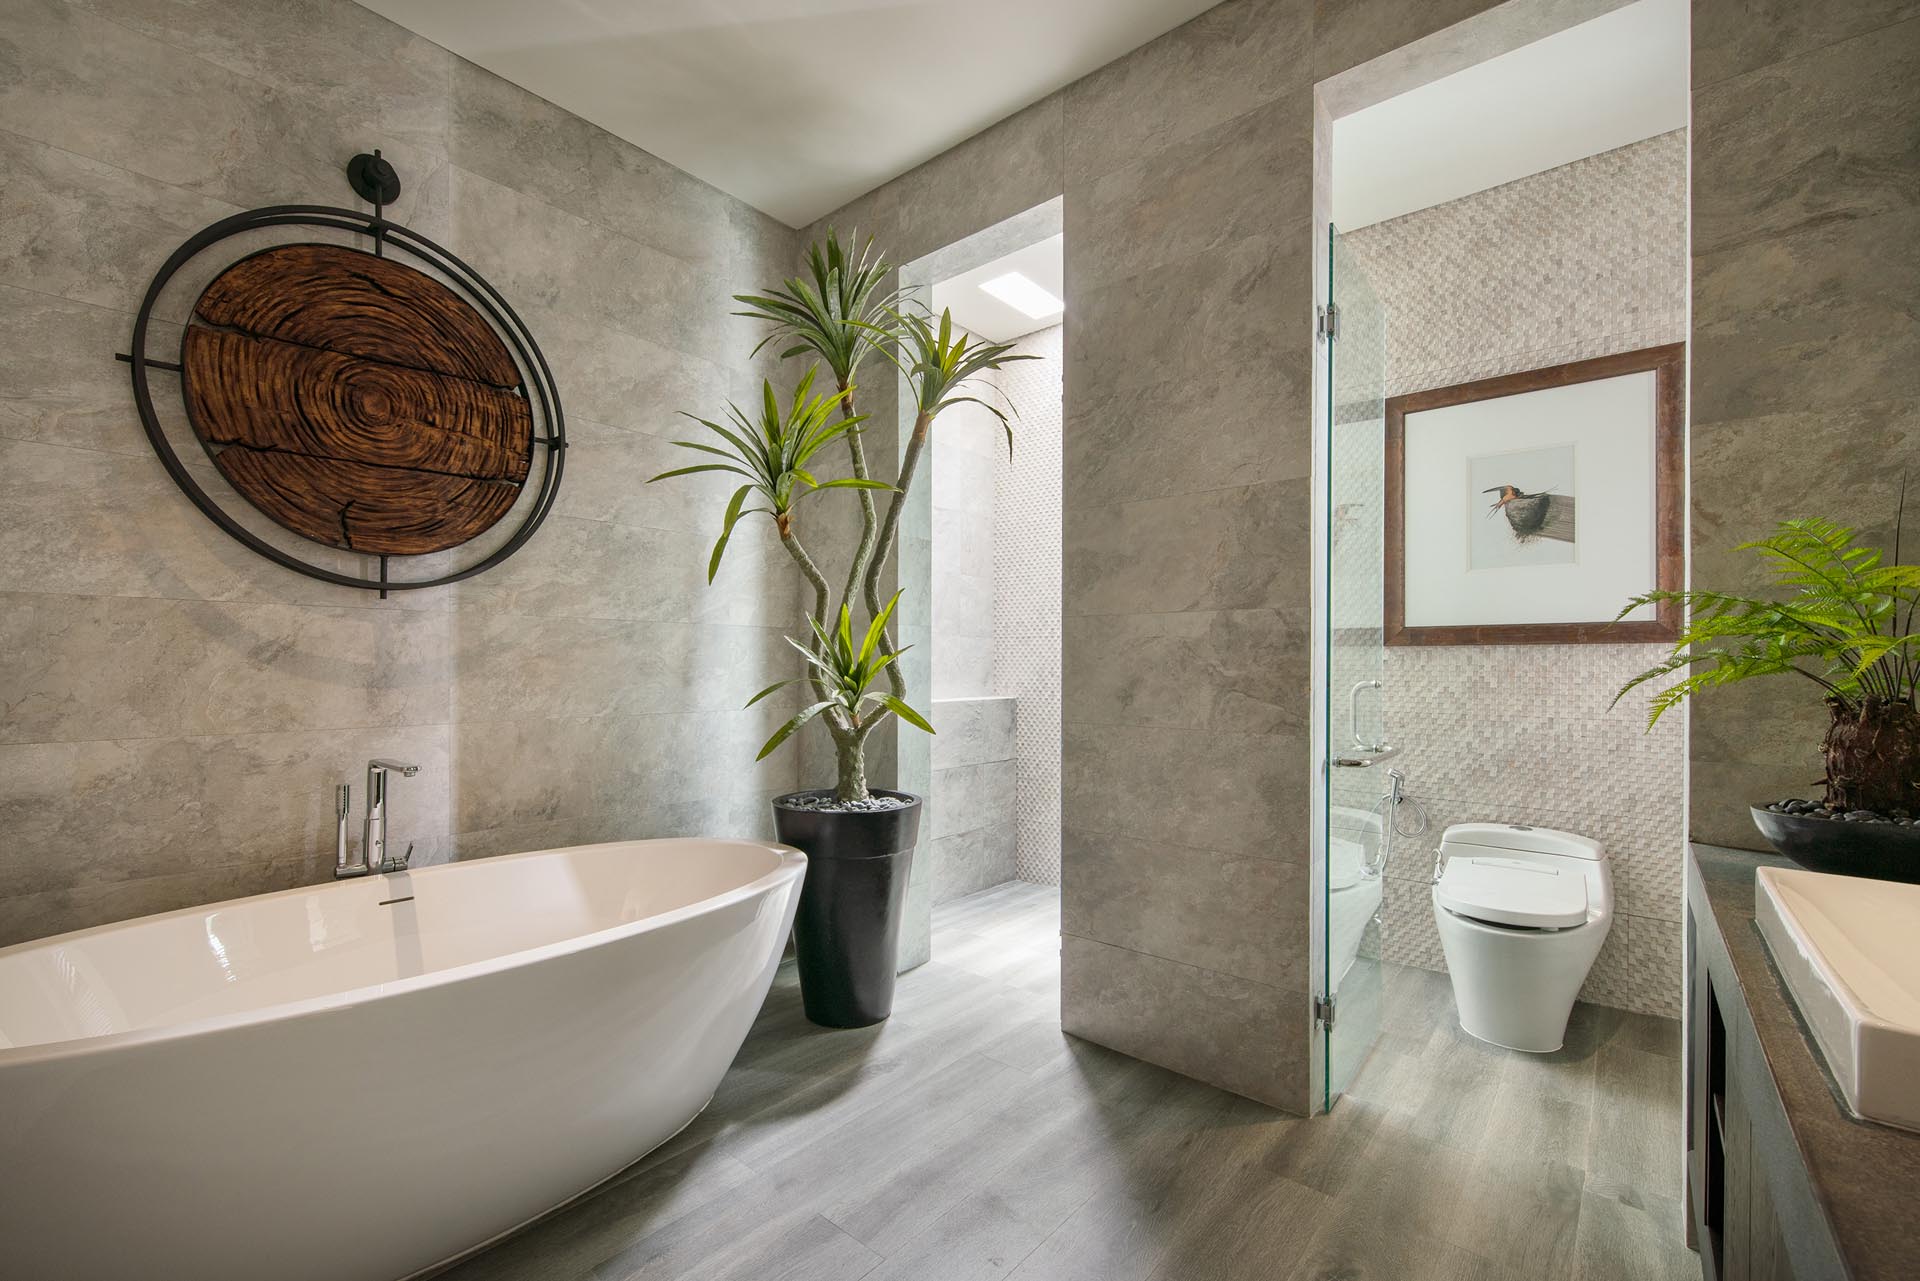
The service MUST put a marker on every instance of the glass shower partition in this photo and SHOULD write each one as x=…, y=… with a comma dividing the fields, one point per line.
x=1354, y=327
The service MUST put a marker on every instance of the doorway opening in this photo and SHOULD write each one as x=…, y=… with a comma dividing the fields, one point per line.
x=1501, y=202
x=994, y=555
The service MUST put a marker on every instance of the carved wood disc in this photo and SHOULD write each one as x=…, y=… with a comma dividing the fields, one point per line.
x=356, y=401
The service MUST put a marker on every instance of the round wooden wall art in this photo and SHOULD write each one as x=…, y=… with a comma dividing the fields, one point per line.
x=356, y=400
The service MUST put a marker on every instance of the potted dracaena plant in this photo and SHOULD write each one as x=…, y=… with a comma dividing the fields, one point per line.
x=1844, y=623
x=839, y=315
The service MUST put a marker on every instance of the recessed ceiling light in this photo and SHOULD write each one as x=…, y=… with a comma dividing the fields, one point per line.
x=1023, y=296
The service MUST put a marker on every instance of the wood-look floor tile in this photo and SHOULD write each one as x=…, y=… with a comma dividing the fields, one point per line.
x=968, y=1139
x=1634, y=1139
x=569, y=1246
x=996, y=1230
x=1618, y=1241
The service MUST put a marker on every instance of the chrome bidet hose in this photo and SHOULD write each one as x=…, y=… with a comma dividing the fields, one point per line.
x=1388, y=809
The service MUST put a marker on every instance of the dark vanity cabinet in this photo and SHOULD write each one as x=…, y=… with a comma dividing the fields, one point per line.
x=1782, y=1183
x=1736, y=1227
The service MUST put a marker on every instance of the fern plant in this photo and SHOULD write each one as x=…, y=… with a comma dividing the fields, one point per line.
x=840, y=313
x=1844, y=621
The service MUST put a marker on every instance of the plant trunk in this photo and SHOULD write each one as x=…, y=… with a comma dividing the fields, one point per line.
x=889, y=527
x=869, y=520
x=853, y=770
x=1873, y=756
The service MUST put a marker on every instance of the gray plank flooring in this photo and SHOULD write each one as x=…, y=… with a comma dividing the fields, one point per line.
x=967, y=1138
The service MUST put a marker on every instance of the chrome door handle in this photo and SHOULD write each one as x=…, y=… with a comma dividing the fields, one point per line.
x=1373, y=756
x=1353, y=716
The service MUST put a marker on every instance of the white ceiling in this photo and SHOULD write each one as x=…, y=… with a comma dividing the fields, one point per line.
x=794, y=106
x=979, y=312
x=1615, y=80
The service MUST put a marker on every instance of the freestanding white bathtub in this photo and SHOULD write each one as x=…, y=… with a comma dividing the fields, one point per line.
x=359, y=1081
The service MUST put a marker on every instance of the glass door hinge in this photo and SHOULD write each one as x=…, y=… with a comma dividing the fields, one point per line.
x=1328, y=321
x=1323, y=1010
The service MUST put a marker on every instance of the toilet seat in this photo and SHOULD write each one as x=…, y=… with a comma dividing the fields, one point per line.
x=1512, y=892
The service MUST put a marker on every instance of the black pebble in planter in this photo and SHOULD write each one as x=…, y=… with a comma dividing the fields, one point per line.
x=846, y=933
x=1884, y=851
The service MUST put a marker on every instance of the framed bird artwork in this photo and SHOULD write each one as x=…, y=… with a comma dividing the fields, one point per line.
x=1529, y=508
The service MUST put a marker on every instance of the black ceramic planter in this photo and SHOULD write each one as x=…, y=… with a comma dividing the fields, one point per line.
x=846, y=933
x=1884, y=851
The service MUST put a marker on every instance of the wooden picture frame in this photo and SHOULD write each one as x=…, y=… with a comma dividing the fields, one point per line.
x=1668, y=365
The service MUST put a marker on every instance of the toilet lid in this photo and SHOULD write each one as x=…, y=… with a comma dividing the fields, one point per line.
x=1511, y=891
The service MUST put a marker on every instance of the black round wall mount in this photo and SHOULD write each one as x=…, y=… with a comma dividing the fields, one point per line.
x=373, y=179
x=382, y=238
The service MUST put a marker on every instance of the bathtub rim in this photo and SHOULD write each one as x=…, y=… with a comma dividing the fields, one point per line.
x=790, y=868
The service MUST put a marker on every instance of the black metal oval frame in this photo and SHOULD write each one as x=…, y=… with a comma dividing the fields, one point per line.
x=549, y=426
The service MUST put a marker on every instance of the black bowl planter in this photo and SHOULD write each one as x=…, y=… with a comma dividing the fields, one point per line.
x=1881, y=849
x=846, y=933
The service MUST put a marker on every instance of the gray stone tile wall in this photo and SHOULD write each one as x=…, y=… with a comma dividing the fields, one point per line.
x=1805, y=396
x=174, y=710
x=1187, y=173
x=971, y=814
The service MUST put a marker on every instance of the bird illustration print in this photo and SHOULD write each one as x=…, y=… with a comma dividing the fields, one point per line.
x=1532, y=516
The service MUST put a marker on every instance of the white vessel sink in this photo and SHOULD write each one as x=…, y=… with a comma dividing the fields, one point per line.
x=1849, y=949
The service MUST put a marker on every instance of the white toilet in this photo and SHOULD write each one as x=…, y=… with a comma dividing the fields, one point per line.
x=1522, y=913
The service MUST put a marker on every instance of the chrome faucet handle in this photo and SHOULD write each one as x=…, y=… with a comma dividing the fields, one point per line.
x=374, y=838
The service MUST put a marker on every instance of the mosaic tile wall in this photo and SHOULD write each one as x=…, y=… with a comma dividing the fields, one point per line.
x=1580, y=261
x=1026, y=598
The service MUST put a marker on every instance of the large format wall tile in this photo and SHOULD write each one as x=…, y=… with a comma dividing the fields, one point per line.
x=520, y=243
x=54, y=387
x=1240, y=548
x=1187, y=345
x=1231, y=1032
x=177, y=708
x=178, y=118
x=1228, y=913
x=514, y=666
x=1796, y=144
x=1219, y=187
x=1806, y=354
x=336, y=58
x=1816, y=319
x=111, y=810
x=502, y=133
x=1231, y=59
x=973, y=731
x=966, y=797
x=101, y=667
x=1347, y=33
x=1241, y=793
x=84, y=229
x=967, y=862
x=1729, y=39
x=1245, y=671
x=1004, y=170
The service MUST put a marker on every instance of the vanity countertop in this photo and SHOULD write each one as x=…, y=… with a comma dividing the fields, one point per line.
x=1865, y=1176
